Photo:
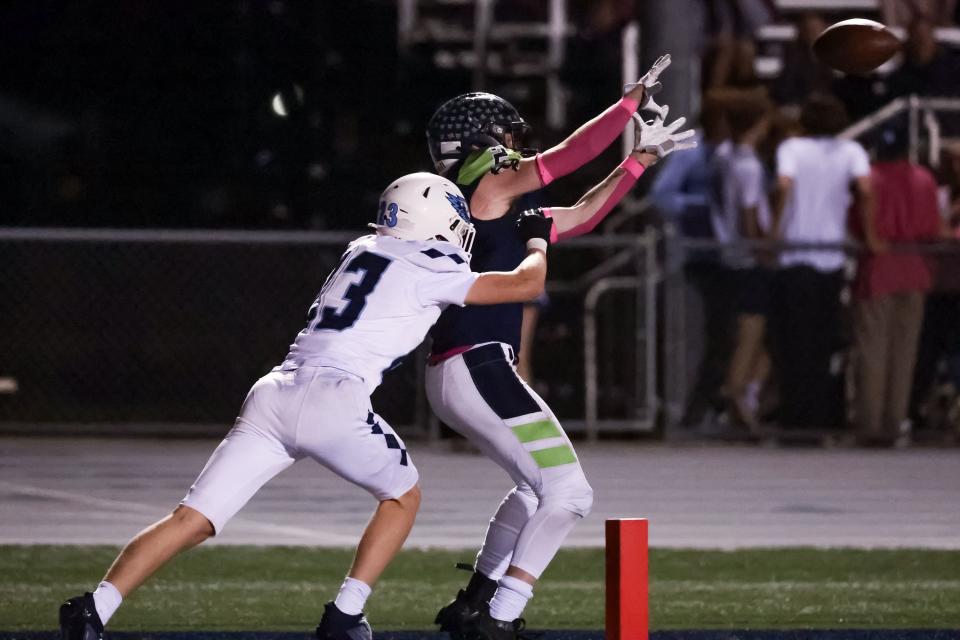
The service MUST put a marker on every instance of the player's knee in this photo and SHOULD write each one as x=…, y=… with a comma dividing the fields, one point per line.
x=579, y=498
x=410, y=501
x=527, y=496
x=194, y=525
x=574, y=496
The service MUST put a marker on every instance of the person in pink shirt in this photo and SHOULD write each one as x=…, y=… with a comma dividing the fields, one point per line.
x=889, y=291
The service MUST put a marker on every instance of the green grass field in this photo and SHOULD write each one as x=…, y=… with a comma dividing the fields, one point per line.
x=282, y=588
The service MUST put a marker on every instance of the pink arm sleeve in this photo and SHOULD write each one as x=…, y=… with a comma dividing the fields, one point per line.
x=633, y=171
x=585, y=143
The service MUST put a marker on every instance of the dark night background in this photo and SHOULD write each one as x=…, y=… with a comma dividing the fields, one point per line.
x=156, y=115
x=147, y=114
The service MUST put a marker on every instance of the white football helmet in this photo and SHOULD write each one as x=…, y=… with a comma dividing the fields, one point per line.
x=425, y=206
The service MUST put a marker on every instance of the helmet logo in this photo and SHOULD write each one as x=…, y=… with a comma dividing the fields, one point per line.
x=388, y=214
x=459, y=205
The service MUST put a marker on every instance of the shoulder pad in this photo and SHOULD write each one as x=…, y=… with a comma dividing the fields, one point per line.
x=441, y=257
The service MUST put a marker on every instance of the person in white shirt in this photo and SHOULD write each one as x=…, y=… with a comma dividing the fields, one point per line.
x=818, y=175
x=388, y=290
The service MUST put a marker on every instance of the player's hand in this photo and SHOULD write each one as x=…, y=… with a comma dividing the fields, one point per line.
x=661, y=140
x=535, y=229
x=650, y=84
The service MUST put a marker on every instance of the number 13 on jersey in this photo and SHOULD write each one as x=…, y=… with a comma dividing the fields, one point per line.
x=372, y=267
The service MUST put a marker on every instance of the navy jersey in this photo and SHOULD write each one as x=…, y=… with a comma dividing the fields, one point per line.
x=496, y=247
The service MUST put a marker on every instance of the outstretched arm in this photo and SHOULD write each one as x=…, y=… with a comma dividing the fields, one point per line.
x=526, y=281
x=520, y=285
x=586, y=143
x=593, y=207
x=653, y=141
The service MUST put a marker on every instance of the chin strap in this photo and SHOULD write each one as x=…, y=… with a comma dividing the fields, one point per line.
x=493, y=159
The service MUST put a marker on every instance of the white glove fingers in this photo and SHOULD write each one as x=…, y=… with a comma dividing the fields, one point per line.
x=662, y=63
x=683, y=135
x=682, y=146
x=676, y=124
x=649, y=104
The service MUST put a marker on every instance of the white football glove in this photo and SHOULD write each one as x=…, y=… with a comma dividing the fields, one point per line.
x=659, y=140
x=651, y=84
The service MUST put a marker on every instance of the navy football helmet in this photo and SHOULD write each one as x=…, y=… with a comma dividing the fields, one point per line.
x=471, y=122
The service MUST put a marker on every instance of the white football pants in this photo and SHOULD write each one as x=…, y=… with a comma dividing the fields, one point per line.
x=312, y=412
x=479, y=394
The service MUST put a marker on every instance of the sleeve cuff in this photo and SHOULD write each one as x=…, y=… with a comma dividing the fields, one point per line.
x=545, y=176
x=632, y=166
x=629, y=104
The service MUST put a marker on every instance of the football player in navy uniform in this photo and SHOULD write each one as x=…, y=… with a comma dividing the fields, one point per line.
x=476, y=140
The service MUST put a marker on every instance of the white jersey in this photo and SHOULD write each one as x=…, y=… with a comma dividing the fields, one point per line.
x=378, y=305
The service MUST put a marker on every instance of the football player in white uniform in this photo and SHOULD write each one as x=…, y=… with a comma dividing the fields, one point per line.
x=374, y=308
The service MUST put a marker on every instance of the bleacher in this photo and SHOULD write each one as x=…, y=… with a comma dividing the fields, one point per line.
x=772, y=37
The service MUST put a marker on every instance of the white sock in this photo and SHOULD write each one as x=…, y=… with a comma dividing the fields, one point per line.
x=353, y=595
x=510, y=599
x=503, y=531
x=107, y=600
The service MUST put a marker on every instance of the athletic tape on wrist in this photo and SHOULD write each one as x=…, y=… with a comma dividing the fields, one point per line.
x=537, y=243
x=632, y=166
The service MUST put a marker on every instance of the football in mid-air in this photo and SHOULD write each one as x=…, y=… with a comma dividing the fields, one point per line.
x=856, y=46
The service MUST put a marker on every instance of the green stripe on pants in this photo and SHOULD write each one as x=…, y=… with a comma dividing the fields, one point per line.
x=554, y=456
x=539, y=430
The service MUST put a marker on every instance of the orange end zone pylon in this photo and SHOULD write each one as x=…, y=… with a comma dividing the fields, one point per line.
x=628, y=614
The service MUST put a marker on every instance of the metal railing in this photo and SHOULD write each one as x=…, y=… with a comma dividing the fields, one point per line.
x=920, y=114
x=170, y=327
x=645, y=284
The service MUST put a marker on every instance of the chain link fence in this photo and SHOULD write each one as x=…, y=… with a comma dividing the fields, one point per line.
x=165, y=331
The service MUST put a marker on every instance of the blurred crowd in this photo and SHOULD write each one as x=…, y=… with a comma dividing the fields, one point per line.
x=863, y=333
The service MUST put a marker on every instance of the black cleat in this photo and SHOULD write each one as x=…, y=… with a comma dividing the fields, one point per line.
x=337, y=625
x=79, y=619
x=483, y=626
x=468, y=603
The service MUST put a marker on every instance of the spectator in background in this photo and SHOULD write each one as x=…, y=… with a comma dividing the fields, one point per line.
x=681, y=190
x=741, y=211
x=815, y=173
x=731, y=52
x=889, y=292
x=681, y=194
x=803, y=74
x=903, y=12
x=935, y=399
x=928, y=69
